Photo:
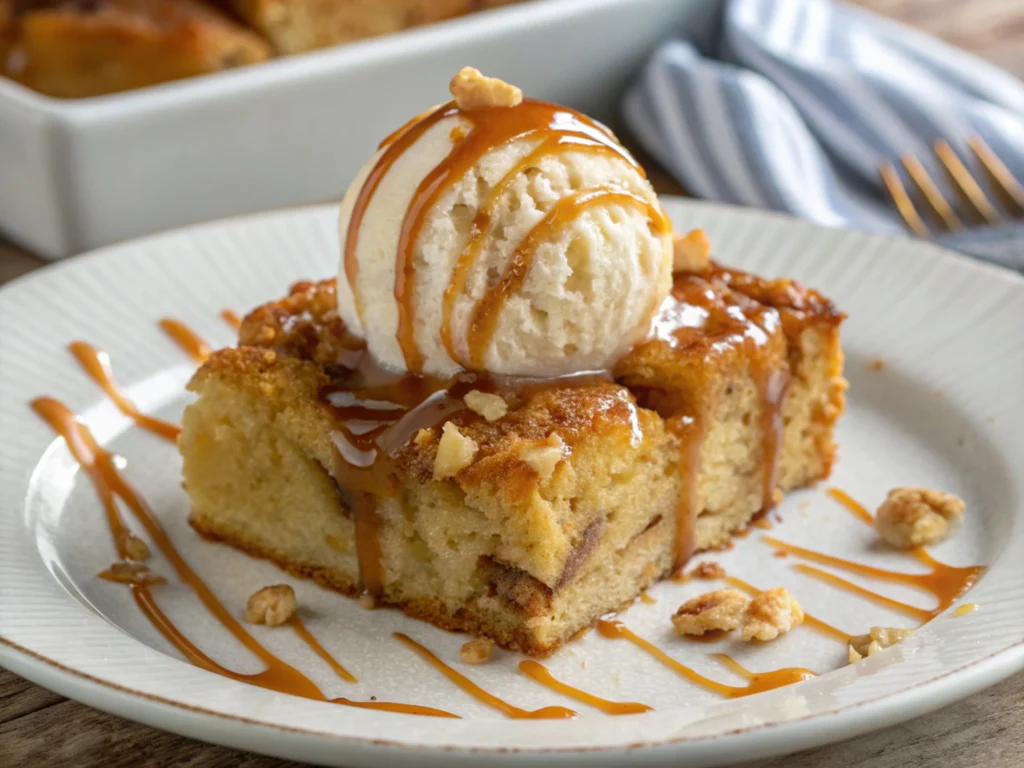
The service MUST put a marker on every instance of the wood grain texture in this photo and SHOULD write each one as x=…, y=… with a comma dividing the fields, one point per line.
x=38, y=727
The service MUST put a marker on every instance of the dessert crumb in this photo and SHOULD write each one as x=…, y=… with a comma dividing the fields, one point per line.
x=491, y=407
x=367, y=601
x=473, y=90
x=423, y=436
x=132, y=573
x=721, y=610
x=136, y=548
x=477, y=651
x=273, y=605
x=876, y=364
x=772, y=613
x=455, y=452
x=875, y=640
x=708, y=571
x=914, y=517
x=966, y=608
x=691, y=252
x=543, y=457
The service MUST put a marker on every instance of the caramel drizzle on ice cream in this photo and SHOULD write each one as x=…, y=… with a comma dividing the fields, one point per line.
x=556, y=128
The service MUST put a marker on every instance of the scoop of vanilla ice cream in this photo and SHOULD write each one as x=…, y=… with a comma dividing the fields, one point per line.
x=587, y=297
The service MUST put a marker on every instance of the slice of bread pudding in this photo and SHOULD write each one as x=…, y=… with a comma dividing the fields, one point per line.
x=521, y=512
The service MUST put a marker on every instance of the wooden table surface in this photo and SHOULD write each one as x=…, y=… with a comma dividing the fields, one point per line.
x=40, y=728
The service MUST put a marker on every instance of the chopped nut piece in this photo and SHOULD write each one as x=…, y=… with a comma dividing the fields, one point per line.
x=708, y=571
x=423, y=436
x=875, y=640
x=455, y=451
x=491, y=407
x=544, y=457
x=770, y=614
x=690, y=252
x=136, y=548
x=272, y=606
x=132, y=573
x=367, y=601
x=913, y=517
x=472, y=90
x=477, y=651
x=719, y=610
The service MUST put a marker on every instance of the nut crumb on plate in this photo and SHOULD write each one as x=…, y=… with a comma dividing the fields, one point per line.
x=544, y=456
x=132, y=573
x=455, y=451
x=770, y=614
x=708, y=571
x=472, y=90
x=691, y=252
x=136, y=548
x=875, y=640
x=491, y=407
x=876, y=364
x=720, y=610
x=477, y=651
x=913, y=517
x=273, y=605
x=367, y=601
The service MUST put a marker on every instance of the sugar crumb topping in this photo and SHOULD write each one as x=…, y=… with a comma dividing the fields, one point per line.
x=477, y=651
x=721, y=610
x=770, y=614
x=455, y=452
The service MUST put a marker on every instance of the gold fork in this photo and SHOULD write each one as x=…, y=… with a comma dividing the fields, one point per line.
x=975, y=206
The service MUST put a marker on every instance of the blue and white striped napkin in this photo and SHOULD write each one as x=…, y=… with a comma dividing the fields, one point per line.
x=797, y=103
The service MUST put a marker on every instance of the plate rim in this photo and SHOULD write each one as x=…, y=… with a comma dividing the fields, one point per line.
x=956, y=683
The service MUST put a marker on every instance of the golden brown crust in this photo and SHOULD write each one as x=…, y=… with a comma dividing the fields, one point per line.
x=80, y=49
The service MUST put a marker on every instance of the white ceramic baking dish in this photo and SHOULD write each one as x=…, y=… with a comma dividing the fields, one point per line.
x=78, y=174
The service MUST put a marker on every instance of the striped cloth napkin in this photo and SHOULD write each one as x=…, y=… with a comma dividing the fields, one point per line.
x=797, y=103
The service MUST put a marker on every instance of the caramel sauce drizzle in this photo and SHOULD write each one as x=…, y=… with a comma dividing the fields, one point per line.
x=538, y=672
x=644, y=597
x=945, y=582
x=231, y=317
x=691, y=432
x=310, y=639
x=814, y=623
x=757, y=682
x=491, y=127
x=96, y=363
x=110, y=486
x=193, y=344
x=478, y=693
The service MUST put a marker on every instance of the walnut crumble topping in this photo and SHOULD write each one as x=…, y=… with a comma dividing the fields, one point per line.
x=913, y=517
x=477, y=651
x=691, y=252
x=770, y=614
x=455, y=451
x=491, y=407
x=272, y=605
x=875, y=640
x=543, y=457
x=473, y=90
x=722, y=610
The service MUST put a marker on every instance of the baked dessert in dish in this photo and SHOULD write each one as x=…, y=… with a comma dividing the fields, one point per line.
x=79, y=49
x=294, y=26
x=507, y=415
x=82, y=48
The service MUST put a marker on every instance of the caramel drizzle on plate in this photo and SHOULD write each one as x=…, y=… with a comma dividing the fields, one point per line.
x=539, y=673
x=231, y=317
x=945, y=582
x=557, y=129
x=478, y=693
x=96, y=363
x=757, y=682
x=190, y=342
x=110, y=487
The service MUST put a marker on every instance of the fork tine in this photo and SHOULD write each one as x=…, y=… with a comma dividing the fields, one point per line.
x=931, y=193
x=965, y=182
x=999, y=173
x=904, y=205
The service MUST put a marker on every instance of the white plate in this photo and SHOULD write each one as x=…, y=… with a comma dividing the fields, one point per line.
x=945, y=412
